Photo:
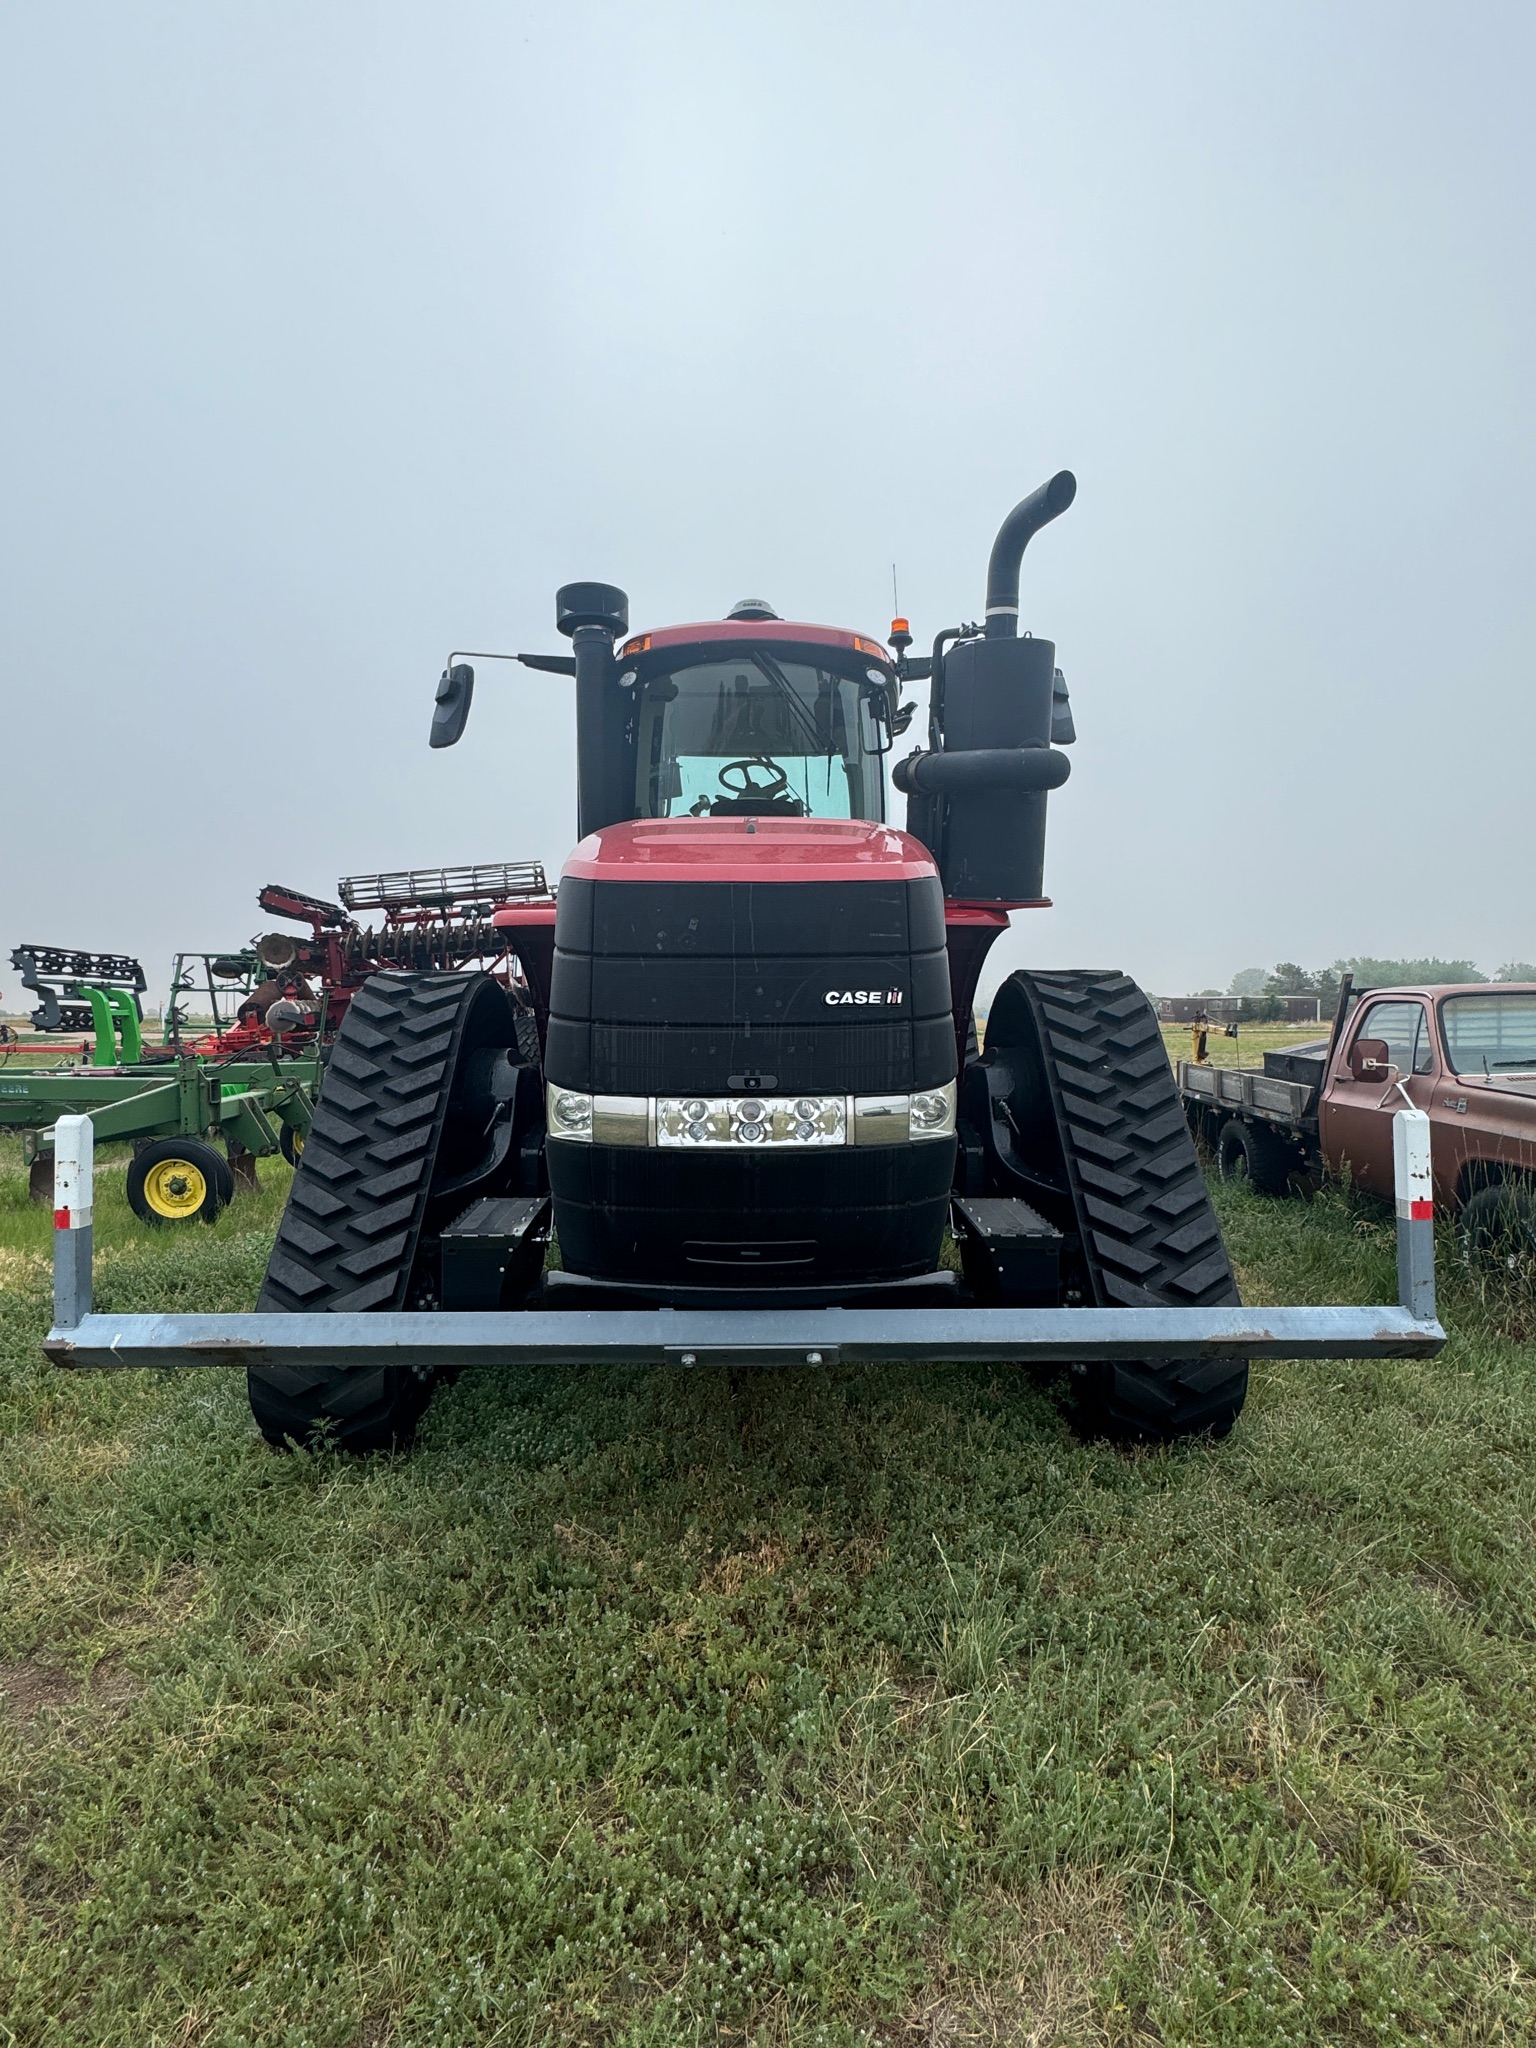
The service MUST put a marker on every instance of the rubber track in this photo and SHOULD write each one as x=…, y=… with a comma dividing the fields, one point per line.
x=348, y=1235
x=1144, y=1215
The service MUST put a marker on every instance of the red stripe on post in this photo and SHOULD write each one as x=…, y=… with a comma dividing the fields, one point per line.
x=1422, y=1212
x=61, y=1219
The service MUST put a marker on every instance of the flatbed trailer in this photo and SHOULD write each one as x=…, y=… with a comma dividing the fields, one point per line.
x=1288, y=1105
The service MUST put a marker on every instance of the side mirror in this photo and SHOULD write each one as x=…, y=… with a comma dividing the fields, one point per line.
x=1370, y=1059
x=455, y=692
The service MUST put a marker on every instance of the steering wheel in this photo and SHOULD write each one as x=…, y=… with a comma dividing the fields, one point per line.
x=763, y=792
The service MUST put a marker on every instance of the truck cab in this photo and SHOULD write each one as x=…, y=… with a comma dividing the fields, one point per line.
x=1466, y=1055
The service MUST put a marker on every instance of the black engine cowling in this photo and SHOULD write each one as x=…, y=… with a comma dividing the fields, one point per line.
x=674, y=989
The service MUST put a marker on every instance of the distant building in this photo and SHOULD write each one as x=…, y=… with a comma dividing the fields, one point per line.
x=1223, y=1009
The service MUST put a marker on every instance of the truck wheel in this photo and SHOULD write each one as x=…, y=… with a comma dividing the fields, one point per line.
x=178, y=1180
x=401, y=1141
x=1248, y=1152
x=1498, y=1225
x=1087, y=1126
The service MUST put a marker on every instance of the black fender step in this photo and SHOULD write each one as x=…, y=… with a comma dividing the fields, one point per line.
x=1084, y=1078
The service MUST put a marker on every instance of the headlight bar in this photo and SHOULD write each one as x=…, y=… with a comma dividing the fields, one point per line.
x=767, y=1123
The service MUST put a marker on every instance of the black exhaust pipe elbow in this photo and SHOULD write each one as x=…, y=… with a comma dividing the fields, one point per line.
x=1013, y=537
x=981, y=770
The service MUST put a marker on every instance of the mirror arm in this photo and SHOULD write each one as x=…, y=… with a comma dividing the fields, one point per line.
x=551, y=664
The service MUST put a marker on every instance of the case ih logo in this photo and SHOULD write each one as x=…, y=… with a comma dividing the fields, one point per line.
x=862, y=995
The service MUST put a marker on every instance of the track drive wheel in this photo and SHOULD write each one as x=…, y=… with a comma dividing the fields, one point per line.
x=1088, y=1127
x=408, y=1130
x=179, y=1180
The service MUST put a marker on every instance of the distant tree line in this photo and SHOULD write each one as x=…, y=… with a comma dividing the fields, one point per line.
x=1261, y=988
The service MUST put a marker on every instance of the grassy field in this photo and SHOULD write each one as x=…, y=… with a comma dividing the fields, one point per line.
x=1250, y=1045
x=864, y=1707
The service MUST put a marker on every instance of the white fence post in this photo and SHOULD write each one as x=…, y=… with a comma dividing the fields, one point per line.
x=1415, y=1187
x=74, y=1165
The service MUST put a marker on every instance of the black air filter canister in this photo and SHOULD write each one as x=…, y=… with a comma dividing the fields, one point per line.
x=997, y=695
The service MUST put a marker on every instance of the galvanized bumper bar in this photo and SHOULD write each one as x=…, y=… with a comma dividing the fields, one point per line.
x=744, y=1337
x=433, y=1340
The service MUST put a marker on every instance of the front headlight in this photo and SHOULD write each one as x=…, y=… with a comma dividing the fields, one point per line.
x=765, y=1122
x=568, y=1113
x=932, y=1114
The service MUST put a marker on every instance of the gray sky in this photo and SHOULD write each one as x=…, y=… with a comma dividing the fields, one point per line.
x=337, y=335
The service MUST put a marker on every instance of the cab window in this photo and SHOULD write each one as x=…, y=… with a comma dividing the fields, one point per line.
x=1405, y=1028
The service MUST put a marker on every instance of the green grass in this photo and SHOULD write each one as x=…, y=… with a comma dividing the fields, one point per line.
x=655, y=1708
x=1250, y=1045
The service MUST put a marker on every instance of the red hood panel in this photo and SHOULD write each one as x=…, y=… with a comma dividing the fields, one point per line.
x=750, y=850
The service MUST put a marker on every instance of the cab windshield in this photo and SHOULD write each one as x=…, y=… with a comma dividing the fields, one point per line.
x=751, y=734
x=1492, y=1034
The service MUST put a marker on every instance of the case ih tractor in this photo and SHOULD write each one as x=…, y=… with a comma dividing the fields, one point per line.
x=753, y=1116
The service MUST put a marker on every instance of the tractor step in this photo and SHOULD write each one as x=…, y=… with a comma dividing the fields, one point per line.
x=1008, y=1251
x=495, y=1248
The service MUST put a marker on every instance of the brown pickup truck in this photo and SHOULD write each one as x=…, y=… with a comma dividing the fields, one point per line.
x=1465, y=1054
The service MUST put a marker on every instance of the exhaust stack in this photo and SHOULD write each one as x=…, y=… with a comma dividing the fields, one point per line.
x=1013, y=537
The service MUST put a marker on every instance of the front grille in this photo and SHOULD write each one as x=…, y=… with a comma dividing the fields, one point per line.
x=650, y=1059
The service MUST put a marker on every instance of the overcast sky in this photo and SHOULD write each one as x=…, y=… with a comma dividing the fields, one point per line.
x=336, y=335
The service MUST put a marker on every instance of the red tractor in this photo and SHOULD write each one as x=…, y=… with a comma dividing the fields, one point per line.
x=751, y=1110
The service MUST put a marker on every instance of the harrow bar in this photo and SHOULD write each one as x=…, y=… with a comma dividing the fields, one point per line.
x=438, y=888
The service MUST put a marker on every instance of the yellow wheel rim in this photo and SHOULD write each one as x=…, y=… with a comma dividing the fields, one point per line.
x=175, y=1189
x=296, y=1143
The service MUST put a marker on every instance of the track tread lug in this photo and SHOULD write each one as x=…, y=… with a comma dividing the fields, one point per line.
x=1118, y=1253
x=297, y=1279
x=1113, y=1184
x=1116, y=1217
x=388, y=1218
x=334, y=1129
x=1201, y=1232
x=345, y=1060
x=385, y=1253
x=301, y=1236
x=408, y=1113
x=328, y=1165
x=399, y=1148
x=1204, y=1276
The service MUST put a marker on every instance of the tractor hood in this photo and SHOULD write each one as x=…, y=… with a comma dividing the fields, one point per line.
x=749, y=850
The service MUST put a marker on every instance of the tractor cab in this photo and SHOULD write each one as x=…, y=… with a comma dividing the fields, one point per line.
x=755, y=717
